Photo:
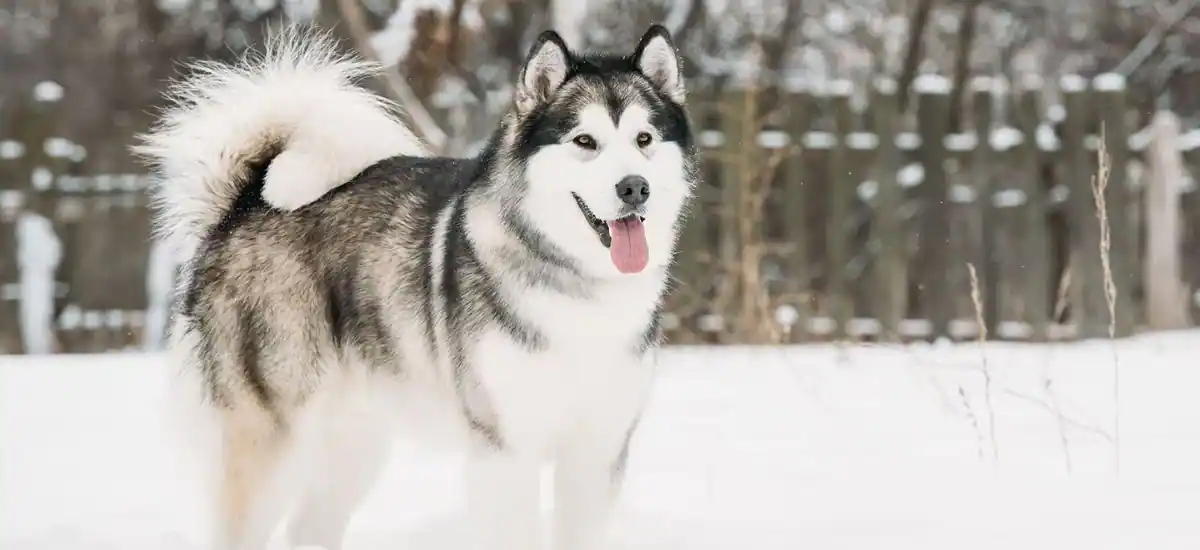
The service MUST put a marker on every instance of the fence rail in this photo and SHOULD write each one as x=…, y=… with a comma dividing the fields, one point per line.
x=866, y=230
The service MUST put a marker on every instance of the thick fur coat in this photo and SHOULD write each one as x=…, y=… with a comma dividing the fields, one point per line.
x=342, y=286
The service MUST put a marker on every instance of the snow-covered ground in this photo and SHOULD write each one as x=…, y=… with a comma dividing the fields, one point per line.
x=782, y=448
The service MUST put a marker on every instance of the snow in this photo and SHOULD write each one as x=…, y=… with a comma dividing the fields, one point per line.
x=986, y=83
x=908, y=141
x=852, y=447
x=59, y=147
x=838, y=88
x=932, y=84
x=961, y=194
x=773, y=139
x=911, y=175
x=38, y=253
x=711, y=139
x=965, y=141
x=11, y=149
x=1031, y=82
x=48, y=91
x=1047, y=140
x=885, y=85
x=1072, y=83
x=1005, y=138
x=819, y=140
x=1008, y=198
x=42, y=178
x=867, y=190
x=1190, y=141
x=1109, y=82
x=862, y=141
x=393, y=42
x=1056, y=113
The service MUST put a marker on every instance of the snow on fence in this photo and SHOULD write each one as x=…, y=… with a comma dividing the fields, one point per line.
x=870, y=221
x=872, y=218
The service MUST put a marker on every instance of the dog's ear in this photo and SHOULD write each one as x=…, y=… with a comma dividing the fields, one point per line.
x=657, y=59
x=544, y=71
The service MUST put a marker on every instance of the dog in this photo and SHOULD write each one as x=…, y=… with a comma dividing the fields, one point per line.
x=342, y=286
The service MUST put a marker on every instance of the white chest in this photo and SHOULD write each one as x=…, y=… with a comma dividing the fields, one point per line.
x=589, y=371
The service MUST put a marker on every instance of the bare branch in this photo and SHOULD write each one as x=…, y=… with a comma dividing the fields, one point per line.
x=912, y=58
x=962, y=63
x=1154, y=39
x=399, y=90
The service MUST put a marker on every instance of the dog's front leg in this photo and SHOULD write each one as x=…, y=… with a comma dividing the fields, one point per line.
x=587, y=480
x=503, y=500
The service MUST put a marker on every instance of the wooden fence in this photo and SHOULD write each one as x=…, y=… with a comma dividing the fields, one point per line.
x=869, y=224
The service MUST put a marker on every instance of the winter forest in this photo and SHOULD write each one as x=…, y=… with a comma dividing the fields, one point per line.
x=861, y=140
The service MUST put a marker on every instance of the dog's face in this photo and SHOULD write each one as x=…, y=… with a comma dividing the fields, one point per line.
x=608, y=151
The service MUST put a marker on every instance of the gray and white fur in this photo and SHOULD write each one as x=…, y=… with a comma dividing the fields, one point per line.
x=341, y=286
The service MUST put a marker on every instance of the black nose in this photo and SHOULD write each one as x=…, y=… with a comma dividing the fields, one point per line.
x=633, y=190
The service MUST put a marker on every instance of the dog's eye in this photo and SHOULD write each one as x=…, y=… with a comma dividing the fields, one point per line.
x=644, y=139
x=585, y=141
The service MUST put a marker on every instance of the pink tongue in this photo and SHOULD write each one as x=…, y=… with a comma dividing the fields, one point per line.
x=629, y=251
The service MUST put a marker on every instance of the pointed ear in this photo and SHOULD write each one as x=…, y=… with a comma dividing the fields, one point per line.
x=658, y=60
x=544, y=71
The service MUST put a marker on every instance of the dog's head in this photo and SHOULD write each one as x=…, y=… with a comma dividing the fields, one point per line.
x=607, y=150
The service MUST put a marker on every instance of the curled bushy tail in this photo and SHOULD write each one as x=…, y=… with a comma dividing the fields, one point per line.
x=296, y=105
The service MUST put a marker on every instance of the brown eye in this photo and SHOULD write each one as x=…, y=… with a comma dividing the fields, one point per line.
x=644, y=139
x=585, y=141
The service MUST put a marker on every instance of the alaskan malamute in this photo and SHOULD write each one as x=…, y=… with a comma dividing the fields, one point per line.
x=341, y=285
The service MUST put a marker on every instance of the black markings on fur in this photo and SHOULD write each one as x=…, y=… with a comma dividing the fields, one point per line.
x=425, y=280
x=621, y=464
x=538, y=246
x=461, y=256
x=613, y=81
x=652, y=336
x=251, y=334
x=215, y=391
x=489, y=432
x=458, y=256
x=355, y=316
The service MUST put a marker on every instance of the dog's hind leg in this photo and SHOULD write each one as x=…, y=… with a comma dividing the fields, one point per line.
x=249, y=498
x=352, y=448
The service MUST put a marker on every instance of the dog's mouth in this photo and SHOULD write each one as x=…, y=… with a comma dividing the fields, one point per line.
x=624, y=237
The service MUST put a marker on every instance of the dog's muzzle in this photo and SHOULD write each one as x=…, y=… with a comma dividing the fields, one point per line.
x=601, y=226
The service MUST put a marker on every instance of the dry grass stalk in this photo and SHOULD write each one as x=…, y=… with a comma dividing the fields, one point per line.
x=977, y=302
x=1099, y=187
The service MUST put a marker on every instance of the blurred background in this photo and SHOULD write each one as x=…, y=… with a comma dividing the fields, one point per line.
x=876, y=170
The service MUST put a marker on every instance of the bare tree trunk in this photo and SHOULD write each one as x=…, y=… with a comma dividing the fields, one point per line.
x=962, y=64
x=912, y=57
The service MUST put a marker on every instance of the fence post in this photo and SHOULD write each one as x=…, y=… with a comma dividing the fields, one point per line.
x=1190, y=206
x=986, y=257
x=10, y=277
x=887, y=225
x=842, y=184
x=1034, y=243
x=11, y=199
x=1166, y=298
x=798, y=109
x=1088, y=275
x=933, y=111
